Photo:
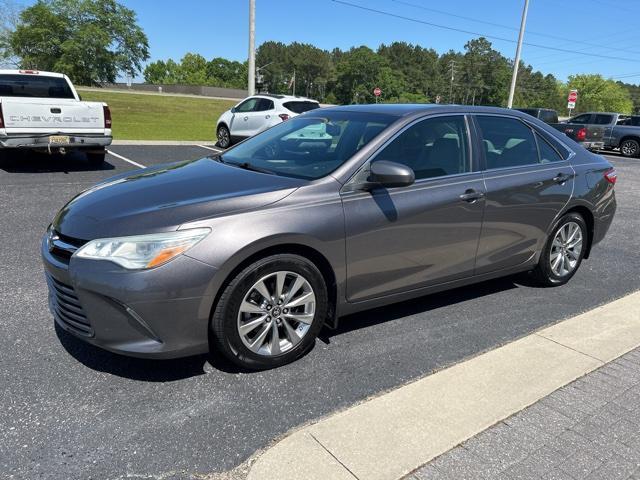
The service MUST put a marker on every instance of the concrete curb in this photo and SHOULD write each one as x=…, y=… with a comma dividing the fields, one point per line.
x=391, y=435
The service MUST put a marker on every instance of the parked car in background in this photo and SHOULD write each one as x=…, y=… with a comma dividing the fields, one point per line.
x=251, y=251
x=547, y=115
x=257, y=113
x=43, y=111
x=618, y=131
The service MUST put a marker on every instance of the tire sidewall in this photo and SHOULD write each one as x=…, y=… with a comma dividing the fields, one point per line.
x=544, y=263
x=226, y=312
x=223, y=127
x=637, y=148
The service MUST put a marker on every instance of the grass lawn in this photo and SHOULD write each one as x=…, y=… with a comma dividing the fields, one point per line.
x=159, y=117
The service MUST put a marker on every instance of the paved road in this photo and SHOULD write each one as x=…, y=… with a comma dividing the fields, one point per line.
x=70, y=410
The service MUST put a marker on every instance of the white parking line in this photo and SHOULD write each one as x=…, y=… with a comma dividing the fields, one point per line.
x=139, y=165
x=214, y=149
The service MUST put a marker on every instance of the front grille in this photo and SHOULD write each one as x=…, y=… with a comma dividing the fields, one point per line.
x=62, y=246
x=67, y=308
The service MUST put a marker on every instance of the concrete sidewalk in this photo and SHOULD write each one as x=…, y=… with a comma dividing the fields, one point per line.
x=393, y=435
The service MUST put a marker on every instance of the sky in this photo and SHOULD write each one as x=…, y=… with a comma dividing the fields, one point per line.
x=594, y=33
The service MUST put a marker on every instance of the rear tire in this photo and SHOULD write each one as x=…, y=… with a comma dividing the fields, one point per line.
x=254, y=322
x=96, y=158
x=630, y=148
x=563, y=252
x=224, y=137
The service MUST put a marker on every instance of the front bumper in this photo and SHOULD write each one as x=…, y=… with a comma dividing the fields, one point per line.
x=42, y=141
x=158, y=313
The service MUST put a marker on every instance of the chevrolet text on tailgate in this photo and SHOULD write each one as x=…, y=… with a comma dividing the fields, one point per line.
x=43, y=111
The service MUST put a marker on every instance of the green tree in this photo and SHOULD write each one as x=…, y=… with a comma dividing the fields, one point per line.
x=595, y=93
x=193, y=70
x=9, y=13
x=92, y=41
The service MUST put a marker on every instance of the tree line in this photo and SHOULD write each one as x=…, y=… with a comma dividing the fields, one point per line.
x=404, y=72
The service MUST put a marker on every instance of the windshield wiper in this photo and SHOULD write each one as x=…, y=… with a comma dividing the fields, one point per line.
x=243, y=165
x=253, y=168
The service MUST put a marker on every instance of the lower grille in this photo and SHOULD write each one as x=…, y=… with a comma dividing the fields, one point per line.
x=67, y=308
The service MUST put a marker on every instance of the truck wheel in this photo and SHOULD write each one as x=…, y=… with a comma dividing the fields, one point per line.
x=630, y=148
x=224, y=137
x=96, y=158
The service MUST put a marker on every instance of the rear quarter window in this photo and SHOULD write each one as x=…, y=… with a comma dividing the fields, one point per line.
x=13, y=85
x=300, y=107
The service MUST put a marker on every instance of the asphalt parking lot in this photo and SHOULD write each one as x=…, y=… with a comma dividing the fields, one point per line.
x=70, y=410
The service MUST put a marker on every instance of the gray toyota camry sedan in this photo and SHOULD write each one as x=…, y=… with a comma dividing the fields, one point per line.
x=251, y=251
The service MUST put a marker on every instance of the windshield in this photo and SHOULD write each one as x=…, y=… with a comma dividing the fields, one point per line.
x=13, y=85
x=309, y=146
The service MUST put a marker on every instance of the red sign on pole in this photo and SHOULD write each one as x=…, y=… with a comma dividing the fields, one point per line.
x=573, y=96
x=377, y=92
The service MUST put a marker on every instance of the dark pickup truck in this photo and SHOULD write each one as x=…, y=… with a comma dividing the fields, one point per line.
x=589, y=136
x=618, y=130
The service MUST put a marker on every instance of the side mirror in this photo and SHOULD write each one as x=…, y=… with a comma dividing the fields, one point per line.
x=233, y=109
x=388, y=174
x=333, y=129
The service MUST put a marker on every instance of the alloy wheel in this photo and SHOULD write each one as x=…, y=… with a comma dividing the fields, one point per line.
x=223, y=137
x=629, y=148
x=566, y=249
x=276, y=313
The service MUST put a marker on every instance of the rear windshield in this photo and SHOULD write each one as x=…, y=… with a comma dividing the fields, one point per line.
x=12, y=85
x=300, y=107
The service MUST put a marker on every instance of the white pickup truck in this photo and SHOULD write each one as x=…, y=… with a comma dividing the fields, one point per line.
x=43, y=111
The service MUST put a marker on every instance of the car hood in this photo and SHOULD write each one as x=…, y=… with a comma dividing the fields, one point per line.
x=162, y=198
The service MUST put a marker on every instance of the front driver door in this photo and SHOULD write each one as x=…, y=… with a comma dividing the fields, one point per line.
x=399, y=239
x=240, y=124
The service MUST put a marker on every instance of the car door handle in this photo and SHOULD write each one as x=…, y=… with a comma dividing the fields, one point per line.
x=561, y=178
x=471, y=196
x=267, y=116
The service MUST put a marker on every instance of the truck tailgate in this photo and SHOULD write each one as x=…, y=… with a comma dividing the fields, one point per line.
x=594, y=133
x=44, y=115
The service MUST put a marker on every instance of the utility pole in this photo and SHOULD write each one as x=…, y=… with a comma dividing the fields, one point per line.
x=252, y=47
x=452, y=65
x=516, y=62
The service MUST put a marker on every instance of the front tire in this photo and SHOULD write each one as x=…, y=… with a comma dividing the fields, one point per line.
x=270, y=313
x=630, y=148
x=563, y=252
x=224, y=137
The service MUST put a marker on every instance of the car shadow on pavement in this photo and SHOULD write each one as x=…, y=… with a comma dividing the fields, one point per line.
x=36, y=162
x=148, y=370
x=423, y=304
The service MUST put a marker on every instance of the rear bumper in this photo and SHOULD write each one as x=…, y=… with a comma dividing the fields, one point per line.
x=159, y=313
x=42, y=141
x=593, y=145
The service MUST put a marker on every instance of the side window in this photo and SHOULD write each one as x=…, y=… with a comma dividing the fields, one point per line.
x=248, y=105
x=603, y=119
x=623, y=120
x=432, y=148
x=547, y=152
x=264, y=105
x=581, y=118
x=507, y=142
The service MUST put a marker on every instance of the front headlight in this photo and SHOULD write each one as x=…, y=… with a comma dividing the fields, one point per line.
x=143, y=251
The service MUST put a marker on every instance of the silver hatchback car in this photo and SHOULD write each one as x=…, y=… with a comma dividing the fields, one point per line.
x=250, y=252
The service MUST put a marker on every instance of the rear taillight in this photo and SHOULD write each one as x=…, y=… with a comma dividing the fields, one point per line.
x=611, y=176
x=1, y=117
x=581, y=134
x=284, y=117
x=107, y=116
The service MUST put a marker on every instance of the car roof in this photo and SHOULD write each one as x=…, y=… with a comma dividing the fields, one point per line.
x=28, y=72
x=406, y=109
x=284, y=97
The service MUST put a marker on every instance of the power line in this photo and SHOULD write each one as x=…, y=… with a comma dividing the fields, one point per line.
x=529, y=32
x=469, y=32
